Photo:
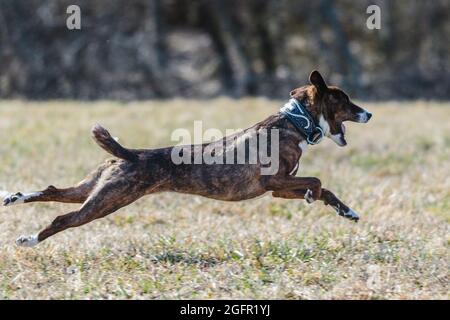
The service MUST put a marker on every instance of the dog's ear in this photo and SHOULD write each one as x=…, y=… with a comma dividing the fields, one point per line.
x=316, y=79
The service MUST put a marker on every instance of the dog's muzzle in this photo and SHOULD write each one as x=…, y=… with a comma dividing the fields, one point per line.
x=364, y=117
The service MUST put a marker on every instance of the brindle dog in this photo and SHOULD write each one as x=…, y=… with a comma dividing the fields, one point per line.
x=138, y=172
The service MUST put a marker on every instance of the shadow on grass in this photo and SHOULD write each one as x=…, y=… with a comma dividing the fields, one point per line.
x=184, y=257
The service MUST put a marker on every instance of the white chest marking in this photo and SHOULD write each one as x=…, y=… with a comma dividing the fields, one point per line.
x=324, y=125
x=326, y=131
x=303, y=145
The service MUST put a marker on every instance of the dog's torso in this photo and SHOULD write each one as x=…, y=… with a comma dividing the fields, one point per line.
x=222, y=181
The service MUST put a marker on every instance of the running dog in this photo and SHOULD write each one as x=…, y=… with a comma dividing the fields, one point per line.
x=313, y=112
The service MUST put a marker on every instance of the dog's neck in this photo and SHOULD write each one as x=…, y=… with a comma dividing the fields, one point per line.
x=311, y=105
x=311, y=109
x=309, y=98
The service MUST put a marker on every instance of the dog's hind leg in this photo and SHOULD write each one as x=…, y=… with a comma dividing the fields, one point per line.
x=76, y=194
x=105, y=199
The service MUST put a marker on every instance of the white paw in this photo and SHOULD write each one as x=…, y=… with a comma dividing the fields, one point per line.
x=352, y=215
x=349, y=214
x=19, y=197
x=309, y=196
x=27, y=241
x=15, y=198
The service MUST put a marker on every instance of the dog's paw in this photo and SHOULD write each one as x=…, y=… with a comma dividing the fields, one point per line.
x=349, y=214
x=27, y=241
x=309, y=196
x=352, y=215
x=12, y=199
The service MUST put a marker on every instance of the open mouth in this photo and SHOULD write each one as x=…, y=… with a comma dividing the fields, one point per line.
x=343, y=142
x=341, y=139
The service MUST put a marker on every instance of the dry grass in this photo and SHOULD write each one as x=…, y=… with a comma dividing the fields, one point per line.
x=395, y=173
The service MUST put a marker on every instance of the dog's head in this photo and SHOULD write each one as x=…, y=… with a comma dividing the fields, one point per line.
x=331, y=107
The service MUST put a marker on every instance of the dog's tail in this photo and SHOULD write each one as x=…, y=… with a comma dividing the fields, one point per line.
x=104, y=140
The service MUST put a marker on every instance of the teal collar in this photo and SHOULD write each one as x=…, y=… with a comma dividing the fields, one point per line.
x=303, y=121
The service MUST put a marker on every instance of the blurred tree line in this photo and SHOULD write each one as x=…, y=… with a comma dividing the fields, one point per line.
x=140, y=49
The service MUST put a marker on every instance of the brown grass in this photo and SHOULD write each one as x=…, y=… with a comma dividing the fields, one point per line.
x=395, y=173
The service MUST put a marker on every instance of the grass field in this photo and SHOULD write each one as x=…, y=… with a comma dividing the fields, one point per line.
x=395, y=173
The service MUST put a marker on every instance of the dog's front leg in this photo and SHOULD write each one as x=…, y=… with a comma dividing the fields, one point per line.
x=312, y=187
x=328, y=197
x=307, y=188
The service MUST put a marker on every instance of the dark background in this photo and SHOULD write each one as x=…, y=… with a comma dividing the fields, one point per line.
x=147, y=49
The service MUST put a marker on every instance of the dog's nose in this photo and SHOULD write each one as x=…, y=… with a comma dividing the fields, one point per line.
x=364, y=117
